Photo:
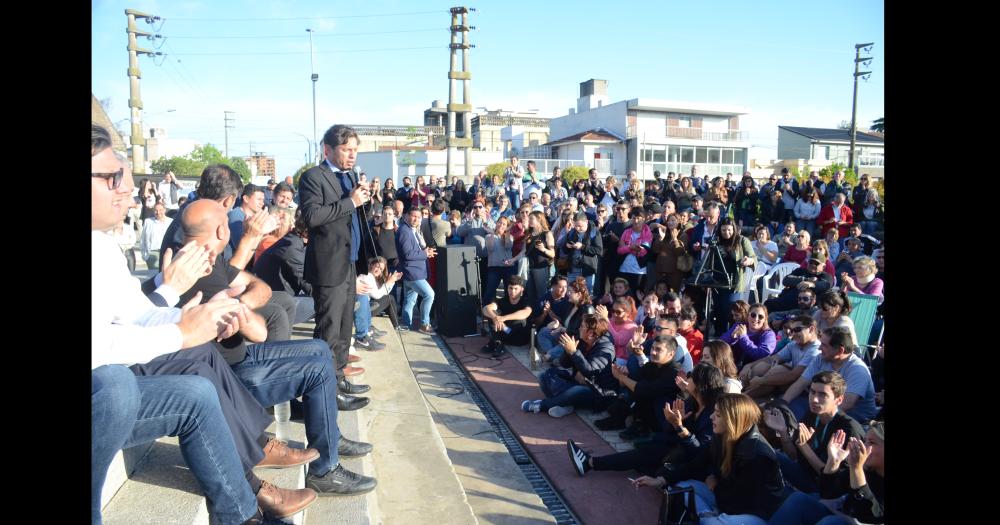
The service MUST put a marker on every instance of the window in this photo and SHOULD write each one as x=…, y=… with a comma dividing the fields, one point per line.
x=714, y=156
x=687, y=154
x=647, y=155
x=701, y=155
x=738, y=156
x=674, y=154
x=727, y=156
x=683, y=121
x=659, y=155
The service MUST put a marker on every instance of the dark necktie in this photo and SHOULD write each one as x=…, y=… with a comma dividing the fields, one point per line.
x=346, y=185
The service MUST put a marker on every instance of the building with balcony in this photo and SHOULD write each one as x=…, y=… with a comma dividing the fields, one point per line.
x=650, y=135
x=820, y=147
x=508, y=131
x=379, y=138
x=260, y=166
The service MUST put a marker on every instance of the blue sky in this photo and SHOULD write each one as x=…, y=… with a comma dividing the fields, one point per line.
x=383, y=62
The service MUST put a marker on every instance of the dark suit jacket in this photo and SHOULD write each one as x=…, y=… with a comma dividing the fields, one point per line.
x=327, y=212
x=281, y=266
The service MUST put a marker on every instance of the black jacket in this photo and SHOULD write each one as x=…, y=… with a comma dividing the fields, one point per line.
x=593, y=363
x=754, y=484
x=865, y=504
x=593, y=247
x=281, y=266
x=327, y=211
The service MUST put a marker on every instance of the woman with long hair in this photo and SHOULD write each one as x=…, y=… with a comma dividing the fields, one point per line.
x=719, y=354
x=685, y=193
x=870, y=212
x=148, y=197
x=585, y=363
x=807, y=208
x=834, y=310
x=385, y=234
x=499, y=246
x=381, y=281
x=747, y=200
x=540, y=251
x=745, y=484
x=690, y=422
x=548, y=336
x=772, y=212
x=460, y=198
x=738, y=260
x=388, y=193
x=765, y=249
x=669, y=246
x=753, y=339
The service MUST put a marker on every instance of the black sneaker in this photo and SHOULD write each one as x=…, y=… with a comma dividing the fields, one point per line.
x=375, y=332
x=610, y=423
x=347, y=448
x=633, y=432
x=488, y=348
x=368, y=344
x=499, y=351
x=580, y=459
x=261, y=519
x=340, y=482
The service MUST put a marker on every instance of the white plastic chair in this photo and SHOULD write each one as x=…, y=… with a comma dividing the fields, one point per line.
x=772, y=286
x=758, y=272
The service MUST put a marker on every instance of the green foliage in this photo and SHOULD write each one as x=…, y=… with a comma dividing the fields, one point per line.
x=298, y=173
x=497, y=169
x=878, y=125
x=573, y=173
x=879, y=187
x=191, y=165
x=826, y=174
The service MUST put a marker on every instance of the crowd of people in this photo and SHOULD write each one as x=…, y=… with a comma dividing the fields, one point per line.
x=732, y=398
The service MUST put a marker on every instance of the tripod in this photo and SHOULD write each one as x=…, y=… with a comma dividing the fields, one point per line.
x=711, y=275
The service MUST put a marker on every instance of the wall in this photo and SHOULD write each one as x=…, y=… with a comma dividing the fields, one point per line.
x=397, y=164
x=792, y=145
x=610, y=117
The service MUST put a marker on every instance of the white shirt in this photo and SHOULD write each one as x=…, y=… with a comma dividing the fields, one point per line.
x=125, y=326
x=152, y=234
x=377, y=291
x=164, y=189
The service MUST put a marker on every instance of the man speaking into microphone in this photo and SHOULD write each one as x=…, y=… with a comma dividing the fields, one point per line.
x=332, y=206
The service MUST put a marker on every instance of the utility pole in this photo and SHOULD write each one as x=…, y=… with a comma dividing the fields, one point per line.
x=135, y=100
x=314, y=78
x=227, y=120
x=460, y=26
x=858, y=60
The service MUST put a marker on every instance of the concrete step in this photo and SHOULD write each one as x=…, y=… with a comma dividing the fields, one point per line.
x=122, y=467
x=162, y=489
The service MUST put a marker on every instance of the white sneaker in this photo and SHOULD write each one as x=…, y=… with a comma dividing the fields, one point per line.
x=532, y=406
x=558, y=411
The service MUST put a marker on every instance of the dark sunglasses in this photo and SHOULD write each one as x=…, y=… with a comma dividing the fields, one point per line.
x=798, y=329
x=115, y=179
x=757, y=316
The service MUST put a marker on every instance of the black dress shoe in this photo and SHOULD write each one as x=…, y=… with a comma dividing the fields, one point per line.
x=346, y=387
x=347, y=448
x=347, y=402
x=340, y=482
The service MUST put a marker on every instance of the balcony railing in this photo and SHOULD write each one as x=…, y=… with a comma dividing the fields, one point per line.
x=397, y=131
x=699, y=134
x=494, y=120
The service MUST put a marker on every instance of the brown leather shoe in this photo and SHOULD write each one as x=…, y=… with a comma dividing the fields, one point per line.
x=351, y=358
x=427, y=329
x=277, y=502
x=353, y=371
x=277, y=454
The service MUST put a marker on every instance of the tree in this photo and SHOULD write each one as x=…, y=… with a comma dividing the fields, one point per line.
x=878, y=125
x=497, y=169
x=240, y=166
x=573, y=173
x=826, y=174
x=300, y=171
x=191, y=165
x=844, y=124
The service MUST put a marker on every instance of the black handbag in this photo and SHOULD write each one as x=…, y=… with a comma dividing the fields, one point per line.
x=678, y=507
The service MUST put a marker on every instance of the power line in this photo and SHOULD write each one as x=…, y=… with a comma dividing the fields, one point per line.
x=331, y=35
x=306, y=52
x=268, y=19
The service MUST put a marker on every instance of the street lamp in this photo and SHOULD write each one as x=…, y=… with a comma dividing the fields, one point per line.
x=314, y=78
x=308, y=145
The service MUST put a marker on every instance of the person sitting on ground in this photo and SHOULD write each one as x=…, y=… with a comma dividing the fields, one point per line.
x=506, y=319
x=548, y=337
x=378, y=282
x=619, y=289
x=753, y=339
x=645, y=392
x=773, y=374
x=812, y=277
x=719, y=354
x=806, y=305
x=803, y=455
x=864, y=280
x=648, y=312
x=687, y=329
x=742, y=479
x=666, y=324
x=834, y=311
x=837, y=354
x=586, y=364
x=554, y=305
x=621, y=326
x=691, y=430
x=858, y=490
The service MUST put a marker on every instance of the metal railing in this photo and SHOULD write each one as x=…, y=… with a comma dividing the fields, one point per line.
x=700, y=134
x=493, y=120
x=397, y=131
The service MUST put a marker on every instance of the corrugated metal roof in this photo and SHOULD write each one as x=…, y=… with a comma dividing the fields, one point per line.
x=833, y=135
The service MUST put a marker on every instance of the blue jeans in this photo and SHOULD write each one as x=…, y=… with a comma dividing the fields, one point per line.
x=589, y=279
x=410, y=300
x=546, y=342
x=127, y=411
x=705, y=502
x=808, y=225
x=802, y=508
x=305, y=309
x=279, y=371
x=494, y=275
x=362, y=315
x=578, y=396
x=515, y=199
x=868, y=227
x=632, y=364
x=796, y=475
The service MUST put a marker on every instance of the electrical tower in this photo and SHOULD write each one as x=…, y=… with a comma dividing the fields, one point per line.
x=460, y=27
x=135, y=100
x=858, y=60
x=227, y=120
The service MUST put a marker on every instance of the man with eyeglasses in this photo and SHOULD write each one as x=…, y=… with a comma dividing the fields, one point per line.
x=473, y=232
x=533, y=200
x=611, y=236
x=813, y=277
x=775, y=372
x=769, y=187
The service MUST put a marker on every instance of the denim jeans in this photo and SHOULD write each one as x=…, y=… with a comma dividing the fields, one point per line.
x=494, y=275
x=515, y=198
x=868, y=227
x=426, y=293
x=362, y=316
x=129, y=411
x=632, y=364
x=705, y=502
x=545, y=341
x=280, y=371
x=800, y=508
x=796, y=475
x=305, y=309
x=578, y=396
x=589, y=279
x=808, y=225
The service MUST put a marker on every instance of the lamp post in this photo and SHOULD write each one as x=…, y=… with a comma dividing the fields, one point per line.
x=314, y=78
x=308, y=145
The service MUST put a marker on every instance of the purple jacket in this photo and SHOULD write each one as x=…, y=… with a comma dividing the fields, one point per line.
x=752, y=346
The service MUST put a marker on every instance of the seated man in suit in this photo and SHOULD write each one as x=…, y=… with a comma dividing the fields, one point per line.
x=275, y=372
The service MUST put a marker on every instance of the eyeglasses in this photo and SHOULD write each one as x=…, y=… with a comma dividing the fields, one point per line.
x=757, y=316
x=114, y=179
x=805, y=298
